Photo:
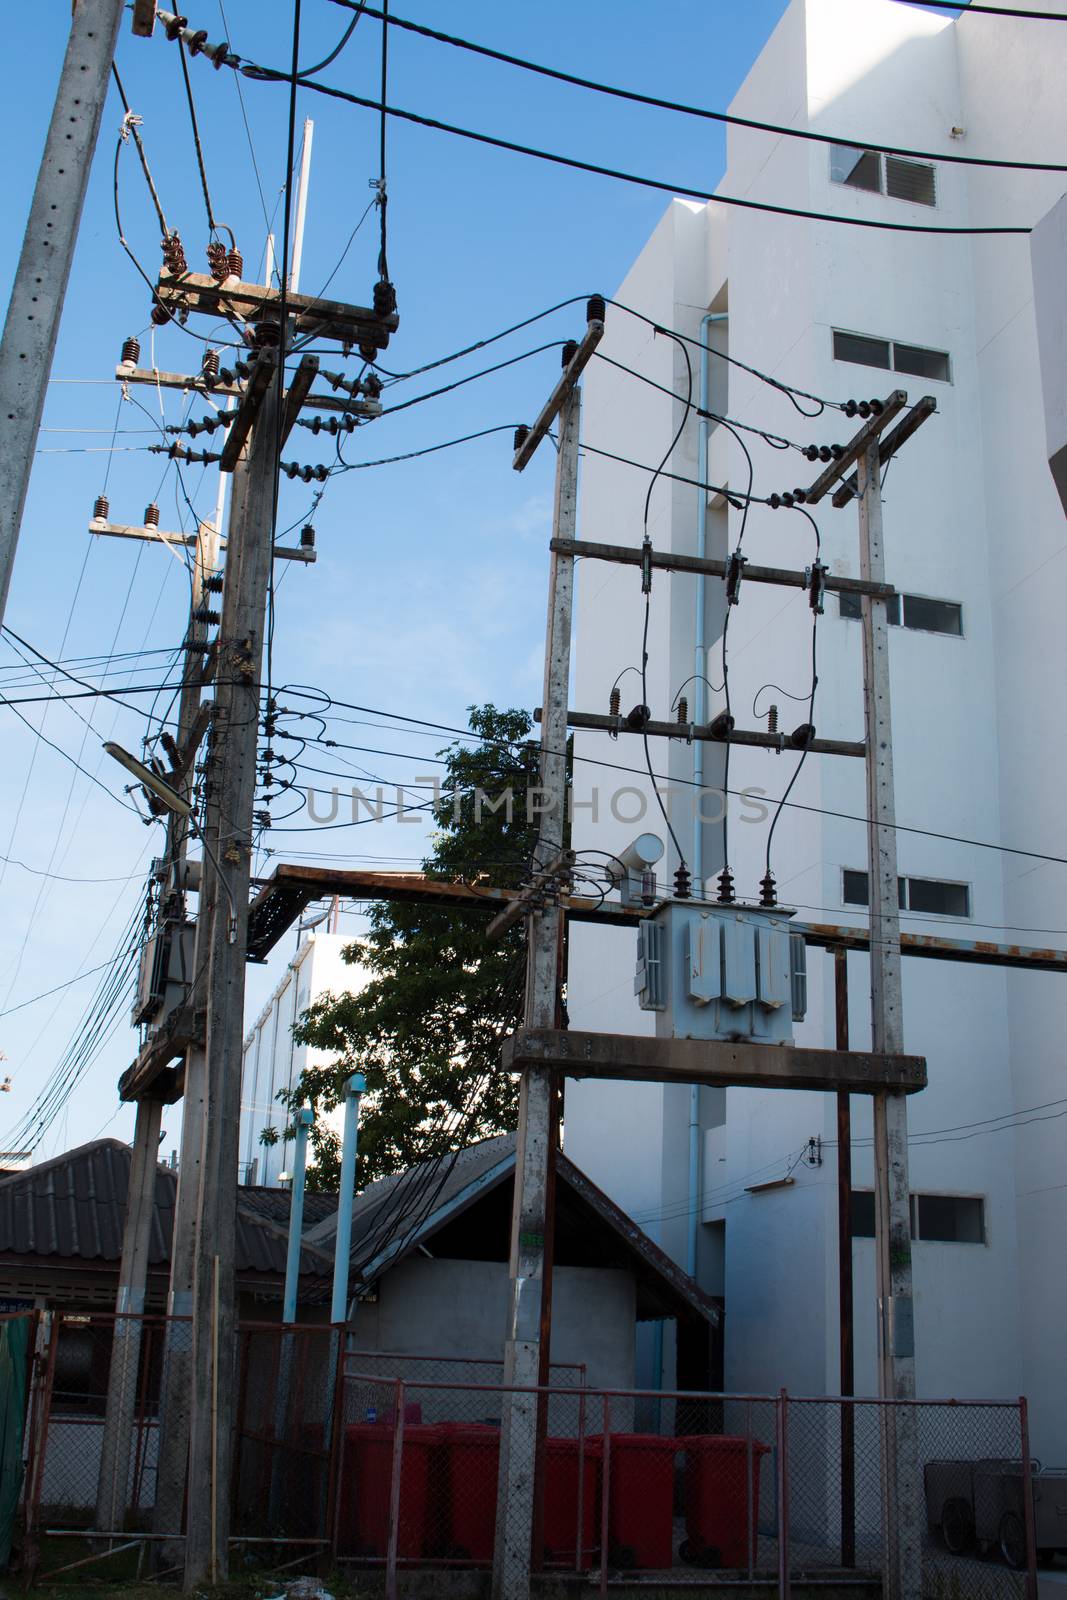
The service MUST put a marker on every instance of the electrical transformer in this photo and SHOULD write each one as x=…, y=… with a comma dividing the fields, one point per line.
x=721, y=972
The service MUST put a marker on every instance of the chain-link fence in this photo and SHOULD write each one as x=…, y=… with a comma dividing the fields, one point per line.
x=795, y=1492
x=394, y=1464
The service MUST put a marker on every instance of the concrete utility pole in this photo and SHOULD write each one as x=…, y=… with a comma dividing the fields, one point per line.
x=225, y=910
x=896, y=1337
x=523, y=1355
x=141, y=1196
x=40, y=287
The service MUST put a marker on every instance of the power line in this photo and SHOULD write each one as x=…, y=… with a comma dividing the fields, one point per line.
x=306, y=692
x=703, y=112
x=662, y=186
x=991, y=11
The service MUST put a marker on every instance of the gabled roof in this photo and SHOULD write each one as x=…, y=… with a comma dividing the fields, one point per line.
x=395, y=1216
x=73, y=1208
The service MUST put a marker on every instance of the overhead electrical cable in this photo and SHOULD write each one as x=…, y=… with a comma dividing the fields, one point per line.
x=662, y=186
x=730, y=118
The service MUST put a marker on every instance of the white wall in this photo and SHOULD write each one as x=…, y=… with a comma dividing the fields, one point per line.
x=272, y=1058
x=971, y=515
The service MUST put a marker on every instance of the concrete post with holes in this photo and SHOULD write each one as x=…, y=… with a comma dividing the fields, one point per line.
x=40, y=287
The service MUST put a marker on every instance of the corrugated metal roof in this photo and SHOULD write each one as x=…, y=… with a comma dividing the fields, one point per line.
x=73, y=1207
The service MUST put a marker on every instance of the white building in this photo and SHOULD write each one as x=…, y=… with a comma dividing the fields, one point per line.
x=273, y=1060
x=974, y=534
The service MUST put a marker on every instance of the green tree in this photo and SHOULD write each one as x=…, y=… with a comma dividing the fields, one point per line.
x=427, y=1028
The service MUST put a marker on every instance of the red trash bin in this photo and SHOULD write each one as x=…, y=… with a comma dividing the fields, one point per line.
x=469, y=1455
x=640, y=1498
x=366, y=1490
x=562, y=1479
x=720, y=1502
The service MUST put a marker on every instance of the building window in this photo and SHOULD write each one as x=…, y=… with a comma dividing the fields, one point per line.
x=935, y=896
x=919, y=612
x=900, y=179
x=935, y=1218
x=866, y=351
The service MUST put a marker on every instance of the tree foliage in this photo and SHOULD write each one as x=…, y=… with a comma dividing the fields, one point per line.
x=427, y=1027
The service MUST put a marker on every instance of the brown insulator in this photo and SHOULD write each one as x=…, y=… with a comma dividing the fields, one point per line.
x=151, y=515
x=683, y=883
x=235, y=262
x=307, y=537
x=772, y=719
x=683, y=711
x=160, y=315
x=218, y=261
x=209, y=367
x=131, y=352
x=174, y=255
x=101, y=507
x=266, y=332
x=768, y=895
x=614, y=701
x=726, y=896
x=369, y=352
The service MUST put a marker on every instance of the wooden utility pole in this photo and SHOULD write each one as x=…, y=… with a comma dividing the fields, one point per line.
x=896, y=1337
x=40, y=285
x=532, y=1207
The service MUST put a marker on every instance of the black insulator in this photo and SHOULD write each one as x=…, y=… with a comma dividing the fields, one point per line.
x=812, y=452
x=209, y=367
x=774, y=501
x=768, y=897
x=307, y=537
x=568, y=353
x=384, y=298
x=368, y=351
x=638, y=717
x=850, y=408
x=235, y=261
x=726, y=896
x=522, y=433
x=131, y=352
x=266, y=333
x=213, y=585
x=837, y=451
x=876, y=408
x=825, y=453
x=683, y=710
x=772, y=719
x=151, y=515
x=800, y=495
x=683, y=883
x=595, y=308
x=101, y=507
x=722, y=726
x=801, y=737
x=787, y=498
x=218, y=260
x=864, y=409
x=205, y=615
x=614, y=702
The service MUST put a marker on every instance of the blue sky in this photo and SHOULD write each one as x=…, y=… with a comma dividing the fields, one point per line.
x=428, y=594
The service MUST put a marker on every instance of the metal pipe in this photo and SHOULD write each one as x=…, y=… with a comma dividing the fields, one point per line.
x=700, y=717
x=354, y=1088
x=304, y=1119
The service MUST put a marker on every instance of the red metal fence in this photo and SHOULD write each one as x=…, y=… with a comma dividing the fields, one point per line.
x=389, y=1463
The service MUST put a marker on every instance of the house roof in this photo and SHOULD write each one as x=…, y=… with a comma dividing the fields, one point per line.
x=73, y=1207
x=395, y=1216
